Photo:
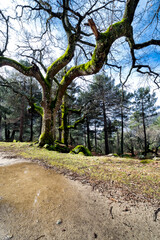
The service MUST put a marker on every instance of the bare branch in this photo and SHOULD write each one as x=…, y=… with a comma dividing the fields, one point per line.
x=146, y=44
x=87, y=43
x=7, y=31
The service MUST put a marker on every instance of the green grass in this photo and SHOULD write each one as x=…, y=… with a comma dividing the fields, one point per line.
x=137, y=176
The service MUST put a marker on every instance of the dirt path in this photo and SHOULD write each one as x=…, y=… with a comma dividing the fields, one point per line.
x=36, y=203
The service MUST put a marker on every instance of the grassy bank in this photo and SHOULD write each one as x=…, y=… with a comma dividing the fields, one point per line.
x=132, y=177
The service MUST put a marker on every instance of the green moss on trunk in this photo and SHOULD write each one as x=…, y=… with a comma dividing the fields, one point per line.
x=46, y=138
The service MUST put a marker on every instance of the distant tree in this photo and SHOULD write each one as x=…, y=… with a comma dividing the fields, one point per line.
x=144, y=108
x=102, y=100
x=153, y=132
x=122, y=112
x=20, y=95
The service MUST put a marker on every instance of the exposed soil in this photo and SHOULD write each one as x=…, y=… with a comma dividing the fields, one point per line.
x=38, y=203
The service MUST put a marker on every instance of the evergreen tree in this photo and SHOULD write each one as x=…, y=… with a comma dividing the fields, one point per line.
x=144, y=108
x=122, y=112
x=101, y=98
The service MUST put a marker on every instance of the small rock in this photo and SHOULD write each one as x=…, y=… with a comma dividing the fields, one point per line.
x=59, y=222
x=8, y=237
x=95, y=235
x=126, y=209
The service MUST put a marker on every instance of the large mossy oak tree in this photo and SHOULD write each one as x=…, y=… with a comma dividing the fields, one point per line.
x=72, y=21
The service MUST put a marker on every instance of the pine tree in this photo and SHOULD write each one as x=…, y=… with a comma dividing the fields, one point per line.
x=144, y=108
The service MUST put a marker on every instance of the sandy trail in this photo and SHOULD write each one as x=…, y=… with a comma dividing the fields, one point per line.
x=33, y=200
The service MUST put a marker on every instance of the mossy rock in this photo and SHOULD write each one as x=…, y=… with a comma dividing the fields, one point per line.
x=61, y=148
x=81, y=153
x=80, y=148
x=46, y=146
x=145, y=161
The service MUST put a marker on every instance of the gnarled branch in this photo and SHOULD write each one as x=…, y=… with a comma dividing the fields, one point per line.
x=27, y=71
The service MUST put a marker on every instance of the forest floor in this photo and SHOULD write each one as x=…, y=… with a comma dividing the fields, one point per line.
x=47, y=195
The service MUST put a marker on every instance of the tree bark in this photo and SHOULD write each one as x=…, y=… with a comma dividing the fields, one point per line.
x=105, y=130
x=31, y=127
x=64, y=122
x=0, y=128
x=21, y=120
x=95, y=137
x=59, y=124
x=48, y=123
x=144, y=130
x=122, y=131
x=88, y=135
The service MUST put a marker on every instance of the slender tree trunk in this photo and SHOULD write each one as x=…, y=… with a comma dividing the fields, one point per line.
x=0, y=128
x=31, y=114
x=122, y=131
x=59, y=123
x=64, y=122
x=132, y=151
x=88, y=135
x=21, y=128
x=144, y=130
x=105, y=130
x=95, y=137
x=118, y=144
x=122, y=122
x=48, y=121
x=31, y=127
x=6, y=128
x=12, y=135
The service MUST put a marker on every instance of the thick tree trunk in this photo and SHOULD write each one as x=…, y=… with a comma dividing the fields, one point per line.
x=48, y=121
x=46, y=136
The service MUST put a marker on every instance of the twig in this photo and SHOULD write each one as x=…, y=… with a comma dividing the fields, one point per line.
x=40, y=237
x=111, y=208
x=156, y=213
